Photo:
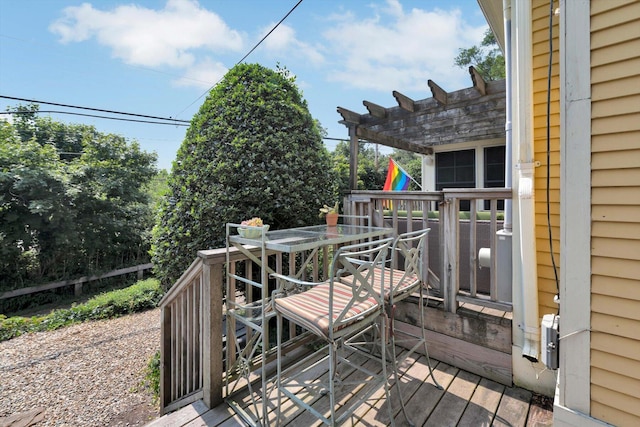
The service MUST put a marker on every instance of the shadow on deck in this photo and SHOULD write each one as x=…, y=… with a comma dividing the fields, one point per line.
x=467, y=400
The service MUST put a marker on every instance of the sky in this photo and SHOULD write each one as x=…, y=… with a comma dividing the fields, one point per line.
x=161, y=57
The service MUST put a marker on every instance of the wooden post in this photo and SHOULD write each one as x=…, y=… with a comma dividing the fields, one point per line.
x=212, y=333
x=451, y=251
x=77, y=290
x=353, y=158
x=165, y=358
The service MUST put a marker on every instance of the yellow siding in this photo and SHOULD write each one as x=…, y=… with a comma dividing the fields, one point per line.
x=615, y=215
x=540, y=38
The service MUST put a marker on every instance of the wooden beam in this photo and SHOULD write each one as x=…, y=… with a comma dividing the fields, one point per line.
x=404, y=101
x=390, y=141
x=349, y=116
x=375, y=109
x=478, y=80
x=438, y=93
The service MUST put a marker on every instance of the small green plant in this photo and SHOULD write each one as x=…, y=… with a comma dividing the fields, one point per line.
x=326, y=209
x=152, y=375
x=143, y=295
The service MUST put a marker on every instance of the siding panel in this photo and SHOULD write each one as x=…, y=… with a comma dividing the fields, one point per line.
x=621, y=288
x=617, y=307
x=620, y=365
x=614, y=399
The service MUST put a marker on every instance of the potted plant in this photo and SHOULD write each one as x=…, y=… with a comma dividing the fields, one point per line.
x=330, y=213
x=249, y=230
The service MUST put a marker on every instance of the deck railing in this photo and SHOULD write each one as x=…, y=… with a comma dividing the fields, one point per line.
x=192, y=342
x=455, y=238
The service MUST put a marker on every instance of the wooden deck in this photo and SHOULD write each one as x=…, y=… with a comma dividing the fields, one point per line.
x=467, y=400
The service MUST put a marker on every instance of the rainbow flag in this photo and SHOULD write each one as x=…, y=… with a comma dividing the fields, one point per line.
x=397, y=178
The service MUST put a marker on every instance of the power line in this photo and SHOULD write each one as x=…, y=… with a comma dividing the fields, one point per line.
x=94, y=109
x=245, y=57
x=92, y=115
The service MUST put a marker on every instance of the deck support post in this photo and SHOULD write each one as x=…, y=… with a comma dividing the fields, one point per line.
x=212, y=275
x=450, y=274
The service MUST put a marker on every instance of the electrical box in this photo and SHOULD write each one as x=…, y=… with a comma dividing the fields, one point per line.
x=504, y=266
x=550, y=341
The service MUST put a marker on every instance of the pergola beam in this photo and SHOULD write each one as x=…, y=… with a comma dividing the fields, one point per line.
x=478, y=81
x=404, y=102
x=349, y=116
x=390, y=141
x=375, y=110
x=438, y=93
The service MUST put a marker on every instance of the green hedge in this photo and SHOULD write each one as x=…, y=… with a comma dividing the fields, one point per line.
x=144, y=295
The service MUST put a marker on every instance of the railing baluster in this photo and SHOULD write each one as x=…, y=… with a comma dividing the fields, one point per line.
x=473, y=265
x=493, y=229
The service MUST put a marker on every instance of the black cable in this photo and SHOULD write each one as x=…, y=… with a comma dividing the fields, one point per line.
x=92, y=115
x=245, y=57
x=553, y=259
x=94, y=109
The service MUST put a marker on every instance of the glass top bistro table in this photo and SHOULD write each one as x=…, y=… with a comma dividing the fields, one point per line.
x=256, y=244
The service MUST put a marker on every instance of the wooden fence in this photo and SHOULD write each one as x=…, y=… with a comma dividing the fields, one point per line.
x=77, y=282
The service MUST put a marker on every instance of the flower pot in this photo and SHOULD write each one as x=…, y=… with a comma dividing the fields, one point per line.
x=332, y=218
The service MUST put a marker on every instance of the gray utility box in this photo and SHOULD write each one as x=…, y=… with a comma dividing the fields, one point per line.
x=504, y=266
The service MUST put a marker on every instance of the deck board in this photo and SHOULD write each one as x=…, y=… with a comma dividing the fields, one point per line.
x=466, y=400
x=514, y=408
x=483, y=404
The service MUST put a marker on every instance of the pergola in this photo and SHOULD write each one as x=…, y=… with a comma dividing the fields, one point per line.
x=472, y=114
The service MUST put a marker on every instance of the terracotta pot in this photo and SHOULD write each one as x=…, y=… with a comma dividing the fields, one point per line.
x=332, y=218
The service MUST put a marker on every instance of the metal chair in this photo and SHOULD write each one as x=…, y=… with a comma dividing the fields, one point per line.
x=404, y=277
x=333, y=310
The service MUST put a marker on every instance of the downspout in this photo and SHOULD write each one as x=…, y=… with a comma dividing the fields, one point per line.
x=508, y=172
x=526, y=189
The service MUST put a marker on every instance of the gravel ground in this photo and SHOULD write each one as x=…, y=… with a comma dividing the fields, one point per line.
x=88, y=374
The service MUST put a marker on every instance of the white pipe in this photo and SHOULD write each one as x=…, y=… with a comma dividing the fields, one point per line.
x=508, y=180
x=523, y=74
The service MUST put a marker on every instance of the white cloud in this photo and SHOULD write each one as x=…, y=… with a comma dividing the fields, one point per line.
x=283, y=40
x=402, y=53
x=140, y=36
x=203, y=75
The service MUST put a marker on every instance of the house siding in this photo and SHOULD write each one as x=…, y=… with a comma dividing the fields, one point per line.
x=547, y=287
x=615, y=213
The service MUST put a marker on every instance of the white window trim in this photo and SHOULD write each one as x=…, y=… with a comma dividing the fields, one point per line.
x=479, y=147
x=573, y=397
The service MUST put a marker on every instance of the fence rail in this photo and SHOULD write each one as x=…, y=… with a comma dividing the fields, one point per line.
x=77, y=282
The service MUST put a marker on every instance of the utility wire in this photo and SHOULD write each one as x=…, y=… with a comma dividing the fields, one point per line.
x=244, y=57
x=94, y=109
x=93, y=115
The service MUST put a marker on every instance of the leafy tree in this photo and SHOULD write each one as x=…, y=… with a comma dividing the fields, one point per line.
x=253, y=149
x=486, y=58
x=72, y=200
x=371, y=173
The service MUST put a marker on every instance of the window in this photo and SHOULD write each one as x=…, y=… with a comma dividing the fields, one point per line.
x=494, y=171
x=456, y=169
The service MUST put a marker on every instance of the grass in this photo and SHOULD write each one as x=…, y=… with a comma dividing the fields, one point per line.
x=143, y=295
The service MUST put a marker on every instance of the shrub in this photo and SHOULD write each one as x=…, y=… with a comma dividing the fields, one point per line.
x=142, y=296
x=252, y=150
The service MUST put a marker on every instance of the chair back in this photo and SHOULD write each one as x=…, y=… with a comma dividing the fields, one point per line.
x=354, y=298
x=408, y=262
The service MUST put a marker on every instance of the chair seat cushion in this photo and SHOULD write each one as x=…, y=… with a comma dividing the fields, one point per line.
x=402, y=282
x=310, y=309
